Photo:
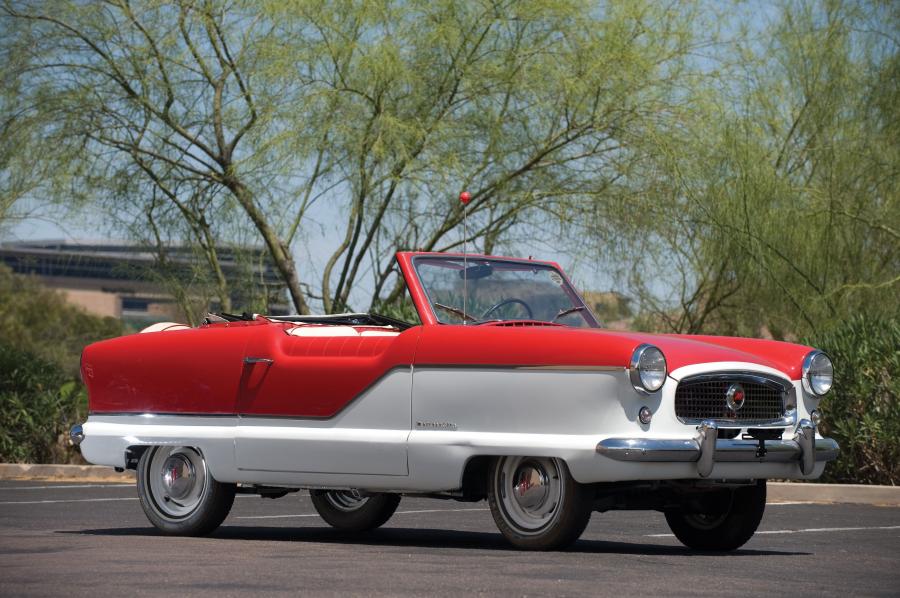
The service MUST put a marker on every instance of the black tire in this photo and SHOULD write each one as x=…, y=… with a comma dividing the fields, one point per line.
x=350, y=511
x=555, y=514
x=731, y=520
x=205, y=505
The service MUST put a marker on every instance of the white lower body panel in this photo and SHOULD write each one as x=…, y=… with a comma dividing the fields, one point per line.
x=416, y=432
x=437, y=459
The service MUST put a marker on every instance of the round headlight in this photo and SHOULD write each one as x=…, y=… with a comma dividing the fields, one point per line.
x=648, y=369
x=818, y=373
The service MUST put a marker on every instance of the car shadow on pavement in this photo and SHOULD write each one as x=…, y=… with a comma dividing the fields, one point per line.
x=424, y=538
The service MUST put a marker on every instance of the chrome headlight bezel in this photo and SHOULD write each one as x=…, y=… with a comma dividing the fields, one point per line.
x=640, y=373
x=811, y=370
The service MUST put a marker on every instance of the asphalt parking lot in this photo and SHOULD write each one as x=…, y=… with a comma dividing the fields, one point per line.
x=93, y=539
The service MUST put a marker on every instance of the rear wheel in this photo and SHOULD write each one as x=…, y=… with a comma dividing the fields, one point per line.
x=353, y=511
x=536, y=503
x=178, y=494
x=727, y=522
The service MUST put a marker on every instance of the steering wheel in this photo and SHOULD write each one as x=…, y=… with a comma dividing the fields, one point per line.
x=509, y=301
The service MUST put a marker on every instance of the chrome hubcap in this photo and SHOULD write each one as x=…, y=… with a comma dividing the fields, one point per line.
x=346, y=500
x=177, y=479
x=531, y=487
x=178, y=476
x=530, y=492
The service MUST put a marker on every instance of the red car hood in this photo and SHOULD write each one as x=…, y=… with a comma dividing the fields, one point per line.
x=683, y=350
x=563, y=346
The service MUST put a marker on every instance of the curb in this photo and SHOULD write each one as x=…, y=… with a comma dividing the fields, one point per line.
x=63, y=473
x=888, y=496
x=858, y=494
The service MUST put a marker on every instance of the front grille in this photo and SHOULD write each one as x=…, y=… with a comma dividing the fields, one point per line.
x=703, y=397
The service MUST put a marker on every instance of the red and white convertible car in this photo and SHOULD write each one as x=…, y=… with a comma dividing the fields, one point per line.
x=509, y=390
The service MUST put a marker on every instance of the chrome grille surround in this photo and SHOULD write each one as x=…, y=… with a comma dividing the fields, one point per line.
x=770, y=401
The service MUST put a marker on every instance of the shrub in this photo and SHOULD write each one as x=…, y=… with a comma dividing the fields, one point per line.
x=863, y=411
x=37, y=319
x=41, y=397
x=39, y=402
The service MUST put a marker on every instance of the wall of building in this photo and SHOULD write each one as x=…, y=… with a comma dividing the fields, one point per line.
x=96, y=302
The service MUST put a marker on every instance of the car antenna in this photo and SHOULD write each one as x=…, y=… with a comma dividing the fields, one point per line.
x=465, y=198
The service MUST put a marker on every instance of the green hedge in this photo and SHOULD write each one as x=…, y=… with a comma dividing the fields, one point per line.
x=863, y=411
x=41, y=396
x=39, y=402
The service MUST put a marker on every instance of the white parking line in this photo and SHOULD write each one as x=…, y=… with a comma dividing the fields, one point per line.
x=70, y=500
x=396, y=513
x=279, y=516
x=803, y=531
x=124, y=485
x=50, y=502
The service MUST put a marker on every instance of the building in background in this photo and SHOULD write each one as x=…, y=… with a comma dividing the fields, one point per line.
x=124, y=281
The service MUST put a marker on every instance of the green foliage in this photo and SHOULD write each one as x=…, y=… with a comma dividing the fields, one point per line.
x=863, y=411
x=210, y=121
x=771, y=204
x=39, y=402
x=401, y=309
x=39, y=321
x=41, y=397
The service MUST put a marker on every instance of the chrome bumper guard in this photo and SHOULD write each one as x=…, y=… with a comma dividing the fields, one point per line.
x=706, y=449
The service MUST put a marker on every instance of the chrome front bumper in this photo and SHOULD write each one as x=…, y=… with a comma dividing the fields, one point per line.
x=706, y=449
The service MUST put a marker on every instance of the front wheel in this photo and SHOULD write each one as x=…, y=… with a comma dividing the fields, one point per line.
x=728, y=520
x=536, y=503
x=352, y=511
x=178, y=494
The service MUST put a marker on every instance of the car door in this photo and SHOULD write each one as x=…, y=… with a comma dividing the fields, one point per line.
x=326, y=399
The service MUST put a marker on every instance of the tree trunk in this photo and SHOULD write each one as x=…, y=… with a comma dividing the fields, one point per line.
x=281, y=255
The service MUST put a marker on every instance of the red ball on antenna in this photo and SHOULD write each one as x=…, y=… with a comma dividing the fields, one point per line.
x=465, y=197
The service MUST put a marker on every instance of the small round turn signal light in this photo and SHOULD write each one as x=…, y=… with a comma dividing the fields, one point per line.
x=645, y=415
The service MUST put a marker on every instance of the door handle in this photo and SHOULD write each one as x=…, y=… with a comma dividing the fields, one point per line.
x=252, y=360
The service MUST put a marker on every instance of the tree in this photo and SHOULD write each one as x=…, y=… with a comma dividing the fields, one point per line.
x=39, y=321
x=156, y=92
x=261, y=113
x=775, y=206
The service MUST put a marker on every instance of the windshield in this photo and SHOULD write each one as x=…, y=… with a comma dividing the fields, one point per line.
x=498, y=290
